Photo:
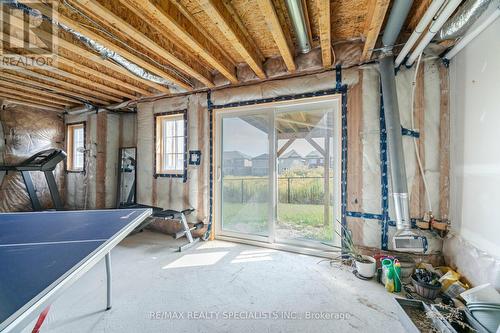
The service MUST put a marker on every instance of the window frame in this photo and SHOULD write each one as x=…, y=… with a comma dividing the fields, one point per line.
x=181, y=174
x=69, y=151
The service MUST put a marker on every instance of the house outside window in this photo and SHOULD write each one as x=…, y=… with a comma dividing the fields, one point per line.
x=171, y=144
x=75, y=146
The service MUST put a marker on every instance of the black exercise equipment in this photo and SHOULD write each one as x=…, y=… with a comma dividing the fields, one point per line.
x=44, y=161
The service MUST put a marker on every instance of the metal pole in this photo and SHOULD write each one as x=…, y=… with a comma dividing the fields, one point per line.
x=108, y=280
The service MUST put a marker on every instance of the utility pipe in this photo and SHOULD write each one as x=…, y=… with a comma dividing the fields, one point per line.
x=300, y=20
x=419, y=29
x=472, y=34
x=397, y=167
x=433, y=30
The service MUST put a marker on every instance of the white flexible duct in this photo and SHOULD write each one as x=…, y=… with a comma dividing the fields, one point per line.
x=419, y=29
x=433, y=30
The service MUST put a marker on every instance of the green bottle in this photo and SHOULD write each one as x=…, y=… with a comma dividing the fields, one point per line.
x=396, y=268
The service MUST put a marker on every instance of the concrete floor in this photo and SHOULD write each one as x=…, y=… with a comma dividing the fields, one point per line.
x=280, y=290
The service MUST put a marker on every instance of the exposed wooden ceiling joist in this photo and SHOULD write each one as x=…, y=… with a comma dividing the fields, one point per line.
x=232, y=28
x=194, y=70
x=418, y=13
x=55, y=83
x=104, y=42
x=274, y=25
x=16, y=93
x=375, y=19
x=35, y=91
x=89, y=71
x=325, y=30
x=175, y=23
x=40, y=105
x=81, y=79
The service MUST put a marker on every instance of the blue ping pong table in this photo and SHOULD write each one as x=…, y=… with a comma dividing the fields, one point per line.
x=42, y=253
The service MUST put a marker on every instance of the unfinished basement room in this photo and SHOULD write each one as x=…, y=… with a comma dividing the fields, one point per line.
x=249, y=166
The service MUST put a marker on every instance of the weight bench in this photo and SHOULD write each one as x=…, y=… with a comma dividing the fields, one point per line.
x=175, y=215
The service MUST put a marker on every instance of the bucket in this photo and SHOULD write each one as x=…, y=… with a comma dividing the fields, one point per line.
x=425, y=290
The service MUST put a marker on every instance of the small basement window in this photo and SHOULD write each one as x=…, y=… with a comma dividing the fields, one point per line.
x=75, y=145
x=171, y=144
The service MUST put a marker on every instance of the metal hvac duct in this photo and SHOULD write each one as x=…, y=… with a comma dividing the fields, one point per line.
x=405, y=239
x=463, y=19
x=297, y=10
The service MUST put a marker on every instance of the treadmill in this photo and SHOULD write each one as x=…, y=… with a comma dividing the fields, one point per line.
x=44, y=161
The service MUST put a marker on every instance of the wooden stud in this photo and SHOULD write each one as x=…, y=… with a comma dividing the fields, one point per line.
x=174, y=22
x=100, y=175
x=444, y=145
x=355, y=156
x=372, y=29
x=273, y=23
x=232, y=28
x=417, y=198
x=325, y=35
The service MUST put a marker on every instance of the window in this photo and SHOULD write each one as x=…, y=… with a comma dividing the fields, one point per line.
x=75, y=145
x=171, y=142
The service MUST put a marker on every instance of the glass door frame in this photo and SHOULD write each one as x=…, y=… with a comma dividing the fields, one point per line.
x=272, y=109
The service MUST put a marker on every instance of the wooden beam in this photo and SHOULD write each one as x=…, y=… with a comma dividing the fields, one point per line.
x=43, y=85
x=285, y=146
x=444, y=145
x=316, y=146
x=273, y=23
x=35, y=91
x=24, y=101
x=232, y=28
x=88, y=96
x=21, y=94
x=69, y=63
x=73, y=48
x=33, y=105
x=325, y=32
x=196, y=71
x=104, y=42
x=174, y=22
x=419, y=12
x=373, y=26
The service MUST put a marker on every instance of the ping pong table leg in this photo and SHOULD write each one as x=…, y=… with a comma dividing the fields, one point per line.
x=108, y=280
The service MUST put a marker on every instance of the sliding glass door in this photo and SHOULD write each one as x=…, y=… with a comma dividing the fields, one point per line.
x=245, y=169
x=305, y=178
x=278, y=172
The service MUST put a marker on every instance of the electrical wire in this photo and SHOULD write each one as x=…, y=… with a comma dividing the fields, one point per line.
x=417, y=153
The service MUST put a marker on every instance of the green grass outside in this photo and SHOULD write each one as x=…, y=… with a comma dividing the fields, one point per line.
x=305, y=221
